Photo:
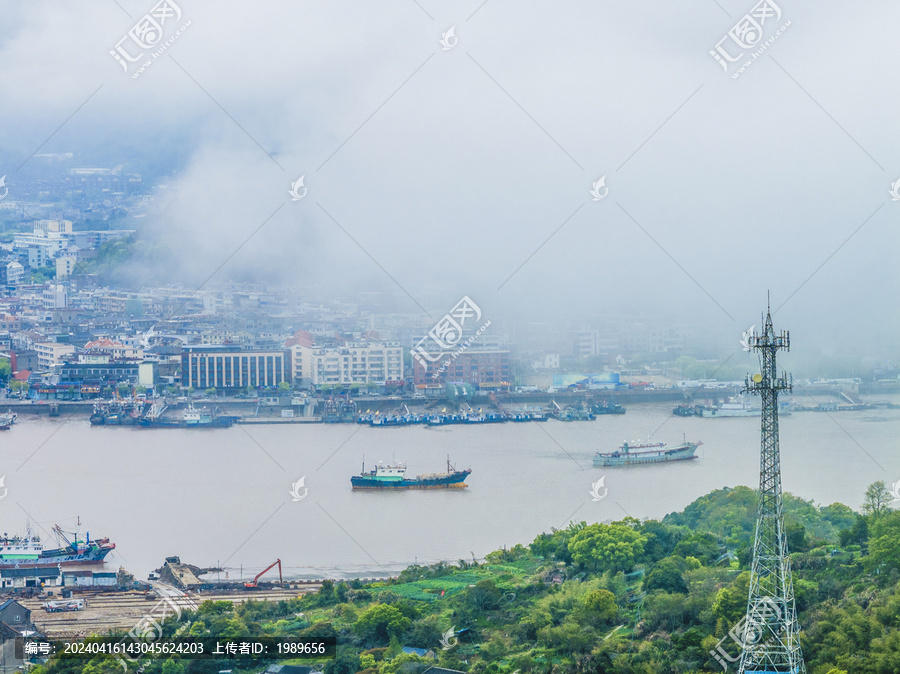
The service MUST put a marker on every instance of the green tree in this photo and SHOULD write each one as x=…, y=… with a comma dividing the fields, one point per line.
x=599, y=547
x=485, y=596
x=701, y=545
x=5, y=370
x=345, y=662
x=600, y=606
x=884, y=543
x=379, y=622
x=877, y=500
x=666, y=576
x=210, y=392
x=172, y=667
x=731, y=602
x=284, y=386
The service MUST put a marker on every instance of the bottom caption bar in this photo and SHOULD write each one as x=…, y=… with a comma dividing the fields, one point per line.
x=187, y=647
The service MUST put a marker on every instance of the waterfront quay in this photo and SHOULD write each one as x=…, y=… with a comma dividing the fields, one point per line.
x=311, y=409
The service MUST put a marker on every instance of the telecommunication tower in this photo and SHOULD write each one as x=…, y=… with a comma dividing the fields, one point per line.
x=771, y=635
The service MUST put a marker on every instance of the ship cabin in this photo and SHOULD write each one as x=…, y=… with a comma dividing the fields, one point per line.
x=390, y=472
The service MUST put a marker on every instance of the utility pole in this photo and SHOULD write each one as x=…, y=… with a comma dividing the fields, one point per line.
x=771, y=634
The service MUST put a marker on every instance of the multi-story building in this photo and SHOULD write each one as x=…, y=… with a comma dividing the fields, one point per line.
x=99, y=373
x=65, y=264
x=55, y=296
x=363, y=362
x=117, y=303
x=482, y=368
x=229, y=367
x=44, y=227
x=52, y=353
x=15, y=273
x=113, y=349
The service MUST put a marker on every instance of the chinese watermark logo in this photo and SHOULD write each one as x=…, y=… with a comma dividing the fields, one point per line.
x=599, y=190
x=149, y=628
x=745, y=338
x=449, y=39
x=299, y=490
x=446, y=336
x=296, y=194
x=3, y=486
x=5, y=189
x=596, y=495
x=895, y=490
x=746, y=34
x=448, y=640
x=894, y=191
x=147, y=34
x=748, y=632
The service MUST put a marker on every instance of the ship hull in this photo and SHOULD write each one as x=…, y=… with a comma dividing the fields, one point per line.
x=682, y=453
x=216, y=422
x=49, y=558
x=454, y=480
x=717, y=412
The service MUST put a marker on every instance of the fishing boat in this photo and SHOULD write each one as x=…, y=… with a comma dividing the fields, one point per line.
x=606, y=407
x=393, y=476
x=632, y=453
x=28, y=550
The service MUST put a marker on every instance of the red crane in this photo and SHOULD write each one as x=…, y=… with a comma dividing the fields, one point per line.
x=251, y=585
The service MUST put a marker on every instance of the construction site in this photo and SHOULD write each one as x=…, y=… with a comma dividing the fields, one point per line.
x=71, y=611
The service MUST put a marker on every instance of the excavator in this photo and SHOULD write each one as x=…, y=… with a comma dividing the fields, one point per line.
x=251, y=585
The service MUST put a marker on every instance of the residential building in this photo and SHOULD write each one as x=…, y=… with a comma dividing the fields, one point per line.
x=15, y=273
x=55, y=296
x=228, y=367
x=65, y=265
x=117, y=303
x=115, y=350
x=482, y=368
x=52, y=353
x=363, y=362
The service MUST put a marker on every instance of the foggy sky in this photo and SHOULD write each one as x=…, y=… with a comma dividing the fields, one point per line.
x=452, y=167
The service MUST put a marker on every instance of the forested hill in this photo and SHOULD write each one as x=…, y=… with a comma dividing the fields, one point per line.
x=622, y=597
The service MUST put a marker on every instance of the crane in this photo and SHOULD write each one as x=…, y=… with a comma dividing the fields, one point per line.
x=251, y=585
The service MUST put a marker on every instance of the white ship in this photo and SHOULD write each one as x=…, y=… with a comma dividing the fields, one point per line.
x=737, y=406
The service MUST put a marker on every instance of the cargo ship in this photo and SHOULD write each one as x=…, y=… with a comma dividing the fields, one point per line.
x=393, y=476
x=633, y=453
x=28, y=551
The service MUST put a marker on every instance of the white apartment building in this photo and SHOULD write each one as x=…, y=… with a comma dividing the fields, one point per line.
x=55, y=296
x=65, y=265
x=15, y=273
x=52, y=353
x=352, y=363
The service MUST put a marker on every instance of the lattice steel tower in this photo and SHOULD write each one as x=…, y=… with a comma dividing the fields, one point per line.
x=771, y=636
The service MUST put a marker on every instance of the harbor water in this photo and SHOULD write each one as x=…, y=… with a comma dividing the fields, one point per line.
x=226, y=496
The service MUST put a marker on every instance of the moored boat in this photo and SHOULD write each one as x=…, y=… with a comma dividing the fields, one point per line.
x=734, y=407
x=606, y=407
x=28, y=550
